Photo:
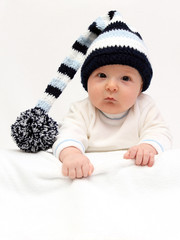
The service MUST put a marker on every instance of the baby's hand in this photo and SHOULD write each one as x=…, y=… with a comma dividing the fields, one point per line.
x=75, y=164
x=143, y=154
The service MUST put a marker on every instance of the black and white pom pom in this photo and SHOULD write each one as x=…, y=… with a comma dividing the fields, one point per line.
x=34, y=130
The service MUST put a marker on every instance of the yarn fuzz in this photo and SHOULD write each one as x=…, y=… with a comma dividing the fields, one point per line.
x=34, y=130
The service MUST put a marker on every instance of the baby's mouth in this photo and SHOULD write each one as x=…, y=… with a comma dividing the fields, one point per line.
x=110, y=99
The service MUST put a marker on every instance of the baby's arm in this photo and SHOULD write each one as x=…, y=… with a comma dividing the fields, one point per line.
x=143, y=154
x=154, y=134
x=75, y=163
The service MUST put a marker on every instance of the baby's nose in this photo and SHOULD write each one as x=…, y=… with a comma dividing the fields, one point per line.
x=112, y=85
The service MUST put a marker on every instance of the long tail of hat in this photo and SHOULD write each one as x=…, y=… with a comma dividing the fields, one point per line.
x=73, y=62
x=34, y=130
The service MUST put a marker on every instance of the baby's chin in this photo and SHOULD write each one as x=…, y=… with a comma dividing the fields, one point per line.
x=111, y=107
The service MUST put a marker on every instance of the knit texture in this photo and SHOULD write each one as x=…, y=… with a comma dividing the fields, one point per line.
x=34, y=130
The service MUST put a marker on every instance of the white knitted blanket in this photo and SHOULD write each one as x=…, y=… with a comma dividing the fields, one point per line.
x=120, y=201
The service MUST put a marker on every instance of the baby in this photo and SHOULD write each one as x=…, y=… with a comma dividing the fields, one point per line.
x=116, y=115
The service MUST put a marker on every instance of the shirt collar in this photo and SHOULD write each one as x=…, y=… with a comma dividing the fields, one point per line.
x=114, y=116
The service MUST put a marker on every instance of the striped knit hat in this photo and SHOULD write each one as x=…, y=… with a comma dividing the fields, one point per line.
x=108, y=40
x=117, y=44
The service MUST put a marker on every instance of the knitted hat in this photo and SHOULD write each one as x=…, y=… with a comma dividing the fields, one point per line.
x=117, y=44
x=108, y=40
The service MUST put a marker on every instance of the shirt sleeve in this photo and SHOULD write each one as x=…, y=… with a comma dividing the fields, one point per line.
x=153, y=129
x=73, y=131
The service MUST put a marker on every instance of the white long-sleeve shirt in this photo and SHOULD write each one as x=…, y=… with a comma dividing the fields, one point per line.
x=91, y=130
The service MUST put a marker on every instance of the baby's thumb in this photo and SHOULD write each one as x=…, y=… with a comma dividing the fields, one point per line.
x=126, y=155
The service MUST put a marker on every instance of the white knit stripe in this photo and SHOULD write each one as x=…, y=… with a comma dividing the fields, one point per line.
x=64, y=79
x=119, y=42
x=77, y=56
x=119, y=33
x=48, y=98
x=117, y=17
x=46, y=101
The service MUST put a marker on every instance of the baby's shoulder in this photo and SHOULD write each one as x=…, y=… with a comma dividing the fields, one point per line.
x=145, y=103
x=144, y=100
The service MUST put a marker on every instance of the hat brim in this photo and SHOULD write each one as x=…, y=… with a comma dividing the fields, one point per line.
x=117, y=55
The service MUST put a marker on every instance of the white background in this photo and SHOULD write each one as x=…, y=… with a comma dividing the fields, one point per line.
x=36, y=35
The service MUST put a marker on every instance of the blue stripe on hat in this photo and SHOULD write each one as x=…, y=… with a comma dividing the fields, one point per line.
x=58, y=83
x=72, y=63
x=43, y=105
x=100, y=23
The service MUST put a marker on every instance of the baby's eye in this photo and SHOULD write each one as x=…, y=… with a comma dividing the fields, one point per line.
x=126, y=78
x=102, y=75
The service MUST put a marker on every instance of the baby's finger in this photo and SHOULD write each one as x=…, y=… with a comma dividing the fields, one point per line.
x=79, y=172
x=72, y=173
x=151, y=160
x=126, y=155
x=139, y=157
x=85, y=169
x=145, y=158
x=133, y=152
x=65, y=171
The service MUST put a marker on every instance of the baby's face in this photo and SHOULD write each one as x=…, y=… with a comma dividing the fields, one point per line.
x=114, y=88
